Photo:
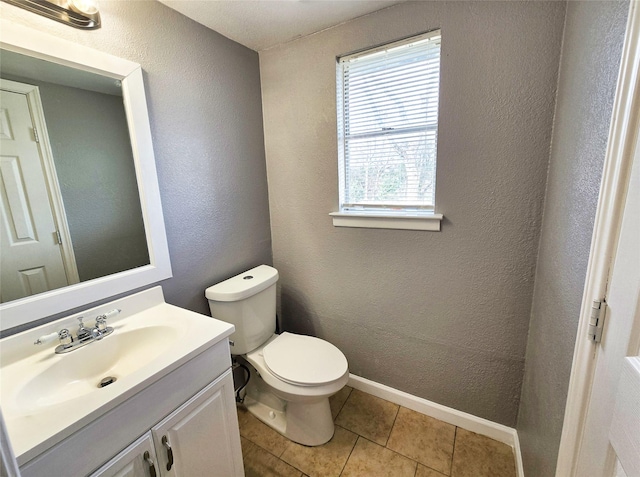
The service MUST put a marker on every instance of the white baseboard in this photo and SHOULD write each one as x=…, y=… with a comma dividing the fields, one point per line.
x=467, y=421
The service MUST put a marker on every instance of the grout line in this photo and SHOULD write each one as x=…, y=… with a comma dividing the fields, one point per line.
x=404, y=456
x=350, y=452
x=294, y=467
x=391, y=450
x=455, y=437
x=285, y=449
x=270, y=453
x=341, y=407
x=287, y=463
x=395, y=418
x=264, y=449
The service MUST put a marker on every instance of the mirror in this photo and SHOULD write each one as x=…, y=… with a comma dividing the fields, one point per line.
x=92, y=225
x=102, y=232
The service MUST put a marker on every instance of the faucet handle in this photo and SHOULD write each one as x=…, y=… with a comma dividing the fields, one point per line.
x=65, y=337
x=46, y=338
x=101, y=322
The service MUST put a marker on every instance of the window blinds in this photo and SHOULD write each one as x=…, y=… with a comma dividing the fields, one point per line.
x=388, y=101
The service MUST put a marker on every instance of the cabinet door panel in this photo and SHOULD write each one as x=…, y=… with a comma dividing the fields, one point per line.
x=134, y=461
x=202, y=435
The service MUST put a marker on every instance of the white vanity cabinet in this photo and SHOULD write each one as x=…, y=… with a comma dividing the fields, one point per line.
x=137, y=460
x=193, y=406
x=200, y=438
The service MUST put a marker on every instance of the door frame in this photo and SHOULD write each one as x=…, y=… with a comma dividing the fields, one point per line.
x=617, y=168
x=32, y=94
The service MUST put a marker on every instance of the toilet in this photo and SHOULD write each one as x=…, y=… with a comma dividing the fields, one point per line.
x=291, y=376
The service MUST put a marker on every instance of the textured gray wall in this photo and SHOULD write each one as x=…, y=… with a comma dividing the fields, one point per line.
x=591, y=52
x=94, y=163
x=440, y=315
x=203, y=92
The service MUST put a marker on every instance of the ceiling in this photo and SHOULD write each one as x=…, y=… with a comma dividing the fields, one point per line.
x=262, y=24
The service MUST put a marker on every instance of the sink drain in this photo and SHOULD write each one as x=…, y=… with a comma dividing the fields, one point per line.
x=106, y=381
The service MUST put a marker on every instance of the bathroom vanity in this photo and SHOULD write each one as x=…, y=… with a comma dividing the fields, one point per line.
x=153, y=397
x=168, y=410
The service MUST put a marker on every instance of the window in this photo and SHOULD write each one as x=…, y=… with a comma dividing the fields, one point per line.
x=387, y=132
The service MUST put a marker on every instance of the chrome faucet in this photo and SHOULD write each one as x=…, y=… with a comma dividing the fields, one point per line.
x=84, y=335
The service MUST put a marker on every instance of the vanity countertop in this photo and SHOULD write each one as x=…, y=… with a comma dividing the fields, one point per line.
x=46, y=397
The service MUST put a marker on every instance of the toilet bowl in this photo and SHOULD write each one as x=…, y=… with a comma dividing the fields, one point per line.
x=291, y=376
x=300, y=410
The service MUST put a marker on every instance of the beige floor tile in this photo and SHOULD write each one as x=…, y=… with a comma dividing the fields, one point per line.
x=261, y=434
x=371, y=460
x=480, y=456
x=322, y=461
x=424, y=471
x=337, y=400
x=423, y=438
x=368, y=416
x=259, y=463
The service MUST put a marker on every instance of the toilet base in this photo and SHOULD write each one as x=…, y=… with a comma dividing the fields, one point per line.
x=309, y=423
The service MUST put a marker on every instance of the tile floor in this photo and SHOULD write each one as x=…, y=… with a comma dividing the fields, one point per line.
x=374, y=437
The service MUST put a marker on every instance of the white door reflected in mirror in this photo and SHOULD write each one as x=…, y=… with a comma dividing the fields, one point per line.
x=31, y=252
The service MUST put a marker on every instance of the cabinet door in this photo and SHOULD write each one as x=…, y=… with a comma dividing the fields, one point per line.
x=201, y=438
x=137, y=460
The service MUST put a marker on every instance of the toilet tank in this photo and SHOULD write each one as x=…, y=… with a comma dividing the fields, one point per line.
x=247, y=301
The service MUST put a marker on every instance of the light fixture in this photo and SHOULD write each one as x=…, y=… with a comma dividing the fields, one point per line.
x=77, y=13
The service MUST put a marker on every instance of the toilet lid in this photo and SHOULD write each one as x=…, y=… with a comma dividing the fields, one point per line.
x=304, y=360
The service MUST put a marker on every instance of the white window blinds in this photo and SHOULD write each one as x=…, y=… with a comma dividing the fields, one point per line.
x=388, y=125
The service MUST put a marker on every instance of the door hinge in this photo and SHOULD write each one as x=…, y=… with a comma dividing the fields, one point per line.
x=596, y=323
x=36, y=138
x=57, y=237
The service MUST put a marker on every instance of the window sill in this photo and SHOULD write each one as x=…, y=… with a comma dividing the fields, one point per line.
x=387, y=221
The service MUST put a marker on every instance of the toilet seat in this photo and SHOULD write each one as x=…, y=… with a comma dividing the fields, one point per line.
x=304, y=360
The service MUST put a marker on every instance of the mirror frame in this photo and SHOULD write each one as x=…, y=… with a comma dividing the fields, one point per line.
x=30, y=42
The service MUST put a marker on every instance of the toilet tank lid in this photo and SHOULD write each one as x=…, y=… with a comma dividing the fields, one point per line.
x=243, y=285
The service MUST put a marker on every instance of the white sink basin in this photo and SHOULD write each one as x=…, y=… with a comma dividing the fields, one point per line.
x=73, y=375
x=46, y=396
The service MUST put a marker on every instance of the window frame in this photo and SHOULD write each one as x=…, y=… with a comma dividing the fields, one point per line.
x=411, y=216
